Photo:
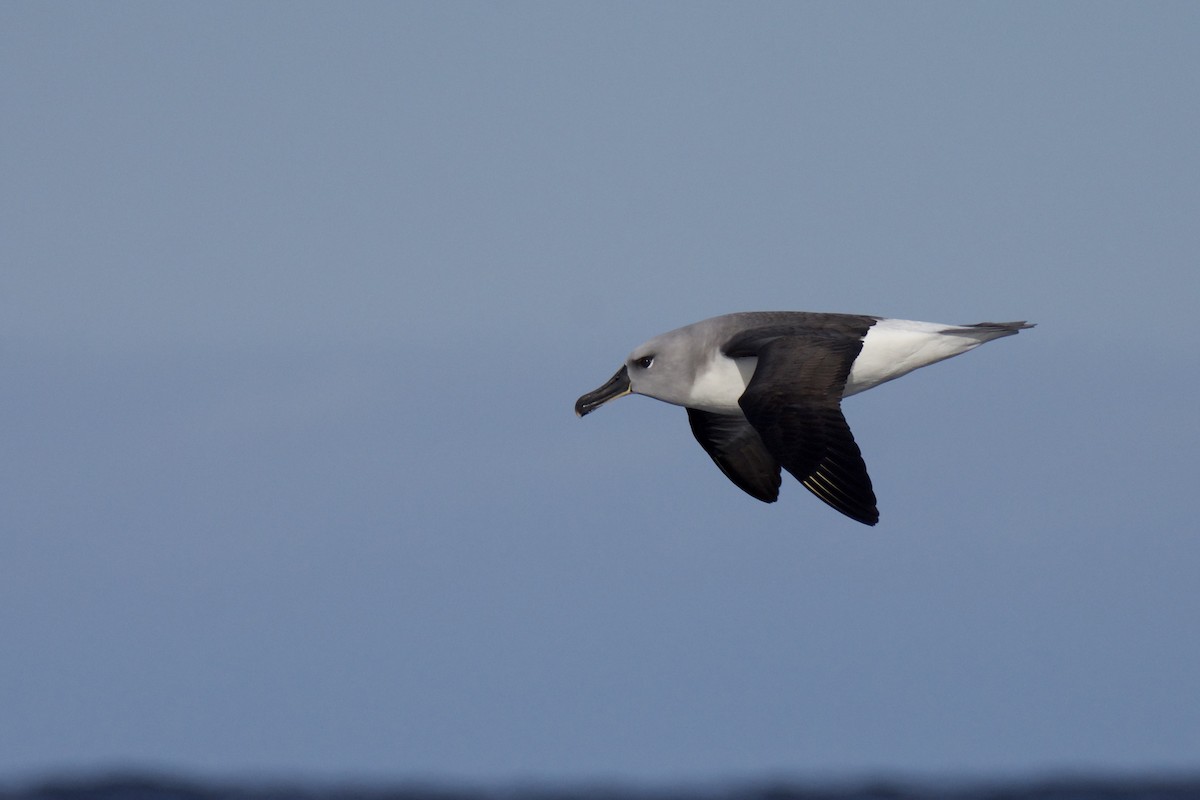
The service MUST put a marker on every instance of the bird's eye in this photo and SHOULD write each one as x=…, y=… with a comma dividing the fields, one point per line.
x=644, y=362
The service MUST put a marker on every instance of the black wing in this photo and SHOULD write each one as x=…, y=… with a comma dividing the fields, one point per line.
x=794, y=403
x=739, y=451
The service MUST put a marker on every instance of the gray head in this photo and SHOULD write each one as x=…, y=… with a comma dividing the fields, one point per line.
x=663, y=368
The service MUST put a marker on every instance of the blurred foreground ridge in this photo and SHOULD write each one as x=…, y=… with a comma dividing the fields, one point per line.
x=147, y=787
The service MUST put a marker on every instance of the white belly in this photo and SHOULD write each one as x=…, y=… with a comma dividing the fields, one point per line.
x=895, y=347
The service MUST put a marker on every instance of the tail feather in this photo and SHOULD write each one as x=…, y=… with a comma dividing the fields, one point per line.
x=986, y=331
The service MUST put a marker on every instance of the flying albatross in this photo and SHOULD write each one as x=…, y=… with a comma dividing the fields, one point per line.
x=763, y=390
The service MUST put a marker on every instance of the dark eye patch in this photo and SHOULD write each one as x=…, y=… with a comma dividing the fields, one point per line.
x=644, y=362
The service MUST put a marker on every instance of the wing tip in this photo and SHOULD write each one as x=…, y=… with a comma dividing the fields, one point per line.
x=837, y=497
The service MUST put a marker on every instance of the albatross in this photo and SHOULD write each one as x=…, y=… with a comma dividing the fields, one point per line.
x=763, y=391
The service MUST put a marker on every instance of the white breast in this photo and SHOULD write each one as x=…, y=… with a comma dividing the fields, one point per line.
x=719, y=385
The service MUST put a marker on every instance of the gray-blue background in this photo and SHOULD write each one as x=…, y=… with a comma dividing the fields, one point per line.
x=295, y=301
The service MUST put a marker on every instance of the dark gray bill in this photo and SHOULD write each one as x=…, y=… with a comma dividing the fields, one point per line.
x=617, y=386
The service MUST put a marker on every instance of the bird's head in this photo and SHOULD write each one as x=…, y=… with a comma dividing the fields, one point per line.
x=660, y=368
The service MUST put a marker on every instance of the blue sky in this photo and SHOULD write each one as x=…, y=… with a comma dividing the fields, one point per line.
x=296, y=299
